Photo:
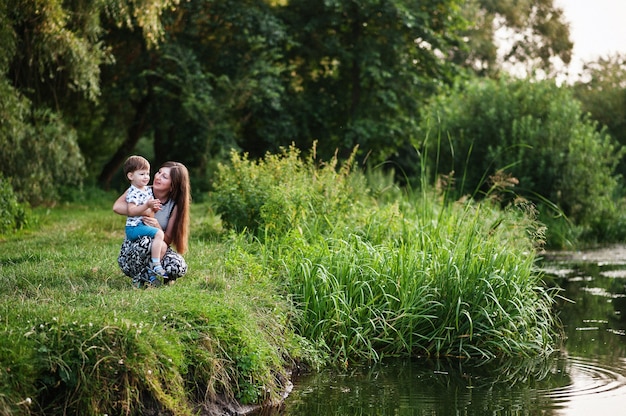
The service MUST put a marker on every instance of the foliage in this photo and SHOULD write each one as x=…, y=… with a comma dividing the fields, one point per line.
x=39, y=156
x=247, y=49
x=13, y=215
x=230, y=89
x=50, y=65
x=535, y=33
x=362, y=69
x=212, y=82
x=408, y=277
x=75, y=338
x=602, y=93
x=274, y=194
x=190, y=80
x=419, y=291
x=58, y=44
x=534, y=132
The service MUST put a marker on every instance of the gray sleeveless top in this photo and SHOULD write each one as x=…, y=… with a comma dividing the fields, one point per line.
x=163, y=216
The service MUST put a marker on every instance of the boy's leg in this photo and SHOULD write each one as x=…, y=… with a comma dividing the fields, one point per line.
x=157, y=244
x=141, y=230
x=155, y=266
x=155, y=270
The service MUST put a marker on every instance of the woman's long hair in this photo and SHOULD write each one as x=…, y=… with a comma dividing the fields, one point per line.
x=181, y=194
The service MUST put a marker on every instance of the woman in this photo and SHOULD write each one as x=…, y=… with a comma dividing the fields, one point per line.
x=171, y=187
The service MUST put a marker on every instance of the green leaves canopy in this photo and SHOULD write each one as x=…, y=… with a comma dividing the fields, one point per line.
x=362, y=68
x=198, y=78
x=51, y=56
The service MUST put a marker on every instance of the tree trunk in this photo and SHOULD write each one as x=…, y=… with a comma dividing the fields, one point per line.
x=135, y=132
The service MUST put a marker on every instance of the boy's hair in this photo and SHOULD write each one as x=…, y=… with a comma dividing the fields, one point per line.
x=134, y=163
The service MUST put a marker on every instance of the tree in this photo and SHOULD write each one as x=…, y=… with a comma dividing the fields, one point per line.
x=215, y=83
x=51, y=58
x=363, y=68
x=190, y=81
x=530, y=33
x=39, y=156
x=602, y=92
x=58, y=43
x=237, y=47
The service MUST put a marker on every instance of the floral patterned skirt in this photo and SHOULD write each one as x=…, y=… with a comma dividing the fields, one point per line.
x=134, y=260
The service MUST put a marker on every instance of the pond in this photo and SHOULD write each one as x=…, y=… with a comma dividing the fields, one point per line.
x=587, y=375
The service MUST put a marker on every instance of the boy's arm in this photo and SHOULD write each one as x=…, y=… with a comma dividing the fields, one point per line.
x=147, y=208
x=122, y=207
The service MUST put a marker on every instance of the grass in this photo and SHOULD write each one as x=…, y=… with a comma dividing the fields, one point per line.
x=75, y=338
x=452, y=287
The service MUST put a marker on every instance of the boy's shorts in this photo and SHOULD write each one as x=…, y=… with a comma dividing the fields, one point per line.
x=133, y=233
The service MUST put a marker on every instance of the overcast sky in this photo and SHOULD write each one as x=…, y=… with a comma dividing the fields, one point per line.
x=597, y=27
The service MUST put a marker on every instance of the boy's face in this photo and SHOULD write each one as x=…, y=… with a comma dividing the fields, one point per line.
x=139, y=178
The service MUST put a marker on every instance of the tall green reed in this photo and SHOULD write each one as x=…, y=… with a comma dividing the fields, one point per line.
x=409, y=276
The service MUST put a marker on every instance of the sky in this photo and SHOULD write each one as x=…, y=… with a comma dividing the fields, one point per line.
x=597, y=28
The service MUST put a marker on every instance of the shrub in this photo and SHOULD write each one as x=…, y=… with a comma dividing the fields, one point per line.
x=281, y=191
x=13, y=215
x=403, y=276
x=40, y=153
x=535, y=132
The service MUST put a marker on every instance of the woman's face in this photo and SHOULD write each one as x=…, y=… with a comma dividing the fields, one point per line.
x=162, y=181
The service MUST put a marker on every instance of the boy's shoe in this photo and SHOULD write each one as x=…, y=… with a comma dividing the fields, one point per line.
x=155, y=281
x=158, y=270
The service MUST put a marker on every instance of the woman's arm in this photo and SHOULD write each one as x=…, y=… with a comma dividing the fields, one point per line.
x=120, y=206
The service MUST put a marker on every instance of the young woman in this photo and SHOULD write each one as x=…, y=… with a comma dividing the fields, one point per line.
x=171, y=187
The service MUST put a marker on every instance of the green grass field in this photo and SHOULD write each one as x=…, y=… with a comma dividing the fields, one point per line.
x=76, y=338
x=334, y=273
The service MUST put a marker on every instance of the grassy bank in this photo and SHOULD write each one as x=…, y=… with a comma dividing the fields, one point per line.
x=74, y=337
x=322, y=265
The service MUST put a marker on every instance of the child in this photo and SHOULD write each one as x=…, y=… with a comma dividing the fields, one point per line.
x=141, y=202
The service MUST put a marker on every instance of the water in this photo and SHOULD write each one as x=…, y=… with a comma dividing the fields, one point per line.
x=587, y=376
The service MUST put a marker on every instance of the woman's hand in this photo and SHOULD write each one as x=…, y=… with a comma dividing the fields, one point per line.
x=151, y=221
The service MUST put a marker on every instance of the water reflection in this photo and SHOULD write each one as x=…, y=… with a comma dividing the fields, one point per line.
x=586, y=376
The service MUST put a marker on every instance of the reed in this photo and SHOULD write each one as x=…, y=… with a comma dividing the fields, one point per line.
x=412, y=275
x=451, y=285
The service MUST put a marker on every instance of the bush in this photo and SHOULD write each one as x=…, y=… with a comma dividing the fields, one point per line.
x=277, y=193
x=534, y=131
x=40, y=153
x=13, y=215
x=400, y=276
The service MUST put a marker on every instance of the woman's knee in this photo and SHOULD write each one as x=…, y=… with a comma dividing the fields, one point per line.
x=174, y=264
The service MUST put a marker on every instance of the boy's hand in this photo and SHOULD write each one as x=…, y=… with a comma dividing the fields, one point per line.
x=154, y=204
